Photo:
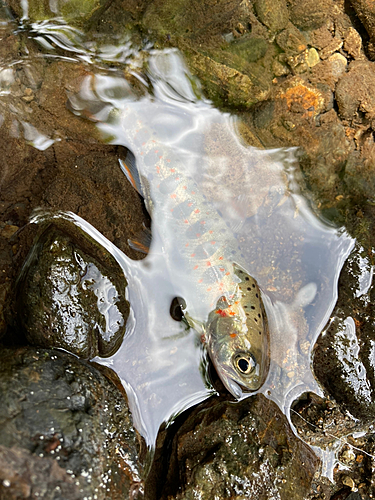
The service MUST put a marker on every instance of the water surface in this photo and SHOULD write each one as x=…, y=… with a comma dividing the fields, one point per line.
x=294, y=255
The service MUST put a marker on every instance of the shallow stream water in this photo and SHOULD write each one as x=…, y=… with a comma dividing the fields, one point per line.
x=295, y=256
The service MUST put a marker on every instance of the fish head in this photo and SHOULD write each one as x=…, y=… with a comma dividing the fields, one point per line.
x=238, y=339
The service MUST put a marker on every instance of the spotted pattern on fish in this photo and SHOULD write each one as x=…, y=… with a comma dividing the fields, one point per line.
x=219, y=292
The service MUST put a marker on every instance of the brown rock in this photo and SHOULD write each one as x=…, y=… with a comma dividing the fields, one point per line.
x=365, y=10
x=309, y=14
x=24, y=475
x=353, y=43
x=272, y=13
x=239, y=451
x=291, y=40
x=355, y=92
x=329, y=71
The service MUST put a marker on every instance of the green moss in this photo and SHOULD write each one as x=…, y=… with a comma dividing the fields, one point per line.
x=249, y=49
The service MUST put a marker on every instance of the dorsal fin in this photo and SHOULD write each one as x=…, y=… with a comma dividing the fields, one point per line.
x=129, y=167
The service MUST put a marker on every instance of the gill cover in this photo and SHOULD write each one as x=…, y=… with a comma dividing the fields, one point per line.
x=238, y=337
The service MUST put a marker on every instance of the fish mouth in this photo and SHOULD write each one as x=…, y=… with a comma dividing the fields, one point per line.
x=236, y=383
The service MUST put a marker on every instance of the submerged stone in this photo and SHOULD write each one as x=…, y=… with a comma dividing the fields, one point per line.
x=74, y=12
x=70, y=298
x=273, y=14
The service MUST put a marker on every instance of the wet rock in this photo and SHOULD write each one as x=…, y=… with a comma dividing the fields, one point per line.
x=219, y=48
x=310, y=14
x=231, y=86
x=355, y=92
x=321, y=423
x=302, y=115
x=301, y=98
x=60, y=409
x=359, y=170
x=239, y=450
x=249, y=48
x=273, y=14
x=75, y=13
x=353, y=43
x=338, y=364
x=291, y=40
x=365, y=10
x=334, y=46
x=343, y=356
x=68, y=297
x=24, y=475
x=329, y=71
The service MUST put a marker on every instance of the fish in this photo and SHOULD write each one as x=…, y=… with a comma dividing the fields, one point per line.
x=223, y=302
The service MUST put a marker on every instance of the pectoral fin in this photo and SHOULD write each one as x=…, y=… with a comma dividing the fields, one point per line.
x=129, y=167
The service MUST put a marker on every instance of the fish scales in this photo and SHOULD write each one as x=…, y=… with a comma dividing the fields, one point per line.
x=203, y=253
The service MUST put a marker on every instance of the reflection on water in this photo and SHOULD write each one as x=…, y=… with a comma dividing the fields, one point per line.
x=295, y=257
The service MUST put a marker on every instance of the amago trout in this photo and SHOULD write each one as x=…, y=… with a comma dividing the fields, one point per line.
x=203, y=258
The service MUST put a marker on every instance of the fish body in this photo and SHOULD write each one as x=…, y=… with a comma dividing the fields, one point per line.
x=203, y=258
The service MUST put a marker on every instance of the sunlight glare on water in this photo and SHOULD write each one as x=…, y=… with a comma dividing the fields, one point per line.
x=295, y=257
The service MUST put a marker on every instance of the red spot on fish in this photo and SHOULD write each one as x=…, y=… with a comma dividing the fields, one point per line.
x=213, y=242
x=233, y=335
x=169, y=161
x=156, y=150
x=141, y=152
x=193, y=192
x=174, y=196
x=208, y=263
x=158, y=169
x=177, y=179
x=198, y=235
x=184, y=187
x=192, y=255
x=190, y=204
x=195, y=267
x=222, y=269
x=220, y=258
x=222, y=312
x=203, y=222
x=143, y=143
x=210, y=232
x=186, y=221
x=172, y=209
x=196, y=211
x=227, y=274
x=173, y=170
x=187, y=244
x=160, y=157
x=200, y=281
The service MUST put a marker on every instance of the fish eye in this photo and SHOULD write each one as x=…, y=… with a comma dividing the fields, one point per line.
x=178, y=306
x=245, y=363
